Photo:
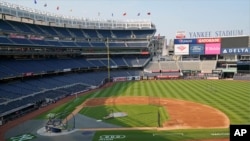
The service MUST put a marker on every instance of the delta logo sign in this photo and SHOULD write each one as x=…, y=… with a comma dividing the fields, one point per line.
x=235, y=51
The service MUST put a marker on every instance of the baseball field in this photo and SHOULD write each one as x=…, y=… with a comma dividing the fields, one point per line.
x=153, y=108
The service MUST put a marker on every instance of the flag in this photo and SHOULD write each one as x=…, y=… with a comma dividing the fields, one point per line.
x=45, y=5
x=138, y=14
x=112, y=14
x=149, y=13
x=57, y=8
x=35, y=1
x=124, y=14
x=70, y=10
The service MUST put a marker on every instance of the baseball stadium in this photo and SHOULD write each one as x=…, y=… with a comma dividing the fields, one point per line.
x=63, y=78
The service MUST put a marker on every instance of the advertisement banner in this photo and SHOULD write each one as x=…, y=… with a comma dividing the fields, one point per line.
x=208, y=40
x=196, y=49
x=117, y=79
x=185, y=41
x=213, y=48
x=235, y=50
x=181, y=49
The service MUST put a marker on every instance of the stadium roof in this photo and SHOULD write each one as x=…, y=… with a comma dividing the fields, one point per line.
x=37, y=15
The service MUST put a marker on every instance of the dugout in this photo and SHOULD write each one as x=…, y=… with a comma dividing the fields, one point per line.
x=243, y=67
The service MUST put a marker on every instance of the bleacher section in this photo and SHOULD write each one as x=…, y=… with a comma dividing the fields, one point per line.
x=189, y=65
x=153, y=67
x=208, y=66
x=169, y=65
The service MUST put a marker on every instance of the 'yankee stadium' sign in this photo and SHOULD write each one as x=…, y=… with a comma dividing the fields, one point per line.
x=222, y=33
x=235, y=50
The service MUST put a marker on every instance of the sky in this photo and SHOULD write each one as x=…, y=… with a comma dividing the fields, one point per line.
x=169, y=16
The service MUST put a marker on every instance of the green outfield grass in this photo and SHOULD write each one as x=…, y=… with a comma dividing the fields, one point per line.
x=230, y=97
x=138, y=115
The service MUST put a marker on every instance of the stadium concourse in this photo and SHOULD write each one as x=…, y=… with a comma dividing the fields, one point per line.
x=47, y=60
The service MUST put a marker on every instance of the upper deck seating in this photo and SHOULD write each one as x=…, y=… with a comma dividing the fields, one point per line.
x=123, y=34
x=105, y=33
x=91, y=33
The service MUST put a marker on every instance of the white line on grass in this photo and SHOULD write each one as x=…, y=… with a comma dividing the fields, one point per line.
x=163, y=134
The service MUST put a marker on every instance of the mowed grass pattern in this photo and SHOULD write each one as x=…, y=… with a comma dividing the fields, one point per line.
x=137, y=115
x=231, y=97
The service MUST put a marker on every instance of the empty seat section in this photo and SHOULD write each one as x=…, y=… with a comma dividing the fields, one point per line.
x=105, y=33
x=22, y=27
x=105, y=61
x=153, y=66
x=5, y=26
x=39, y=42
x=49, y=30
x=142, y=34
x=91, y=33
x=62, y=31
x=68, y=43
x=98, y=44
x=21, y=41
x=120, y=62
x=83, y=44
x=5, y=40
x=117, y=44
x=76, y=32
x=37, y=29
x=123, y=34
x=132, y=61
x=188, y=65
x=142, y=60
x=137, y=44
x=97, y=63
x=54, y=43
x=169, y=65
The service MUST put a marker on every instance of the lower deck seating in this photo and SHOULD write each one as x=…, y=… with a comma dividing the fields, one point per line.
x=25, y=92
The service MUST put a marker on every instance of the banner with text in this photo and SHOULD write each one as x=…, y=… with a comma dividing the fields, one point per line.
x=212, y=48
x=196, y=49
x=245, y=50
x=185, y=41
x=181, y=49
x=208, y=40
